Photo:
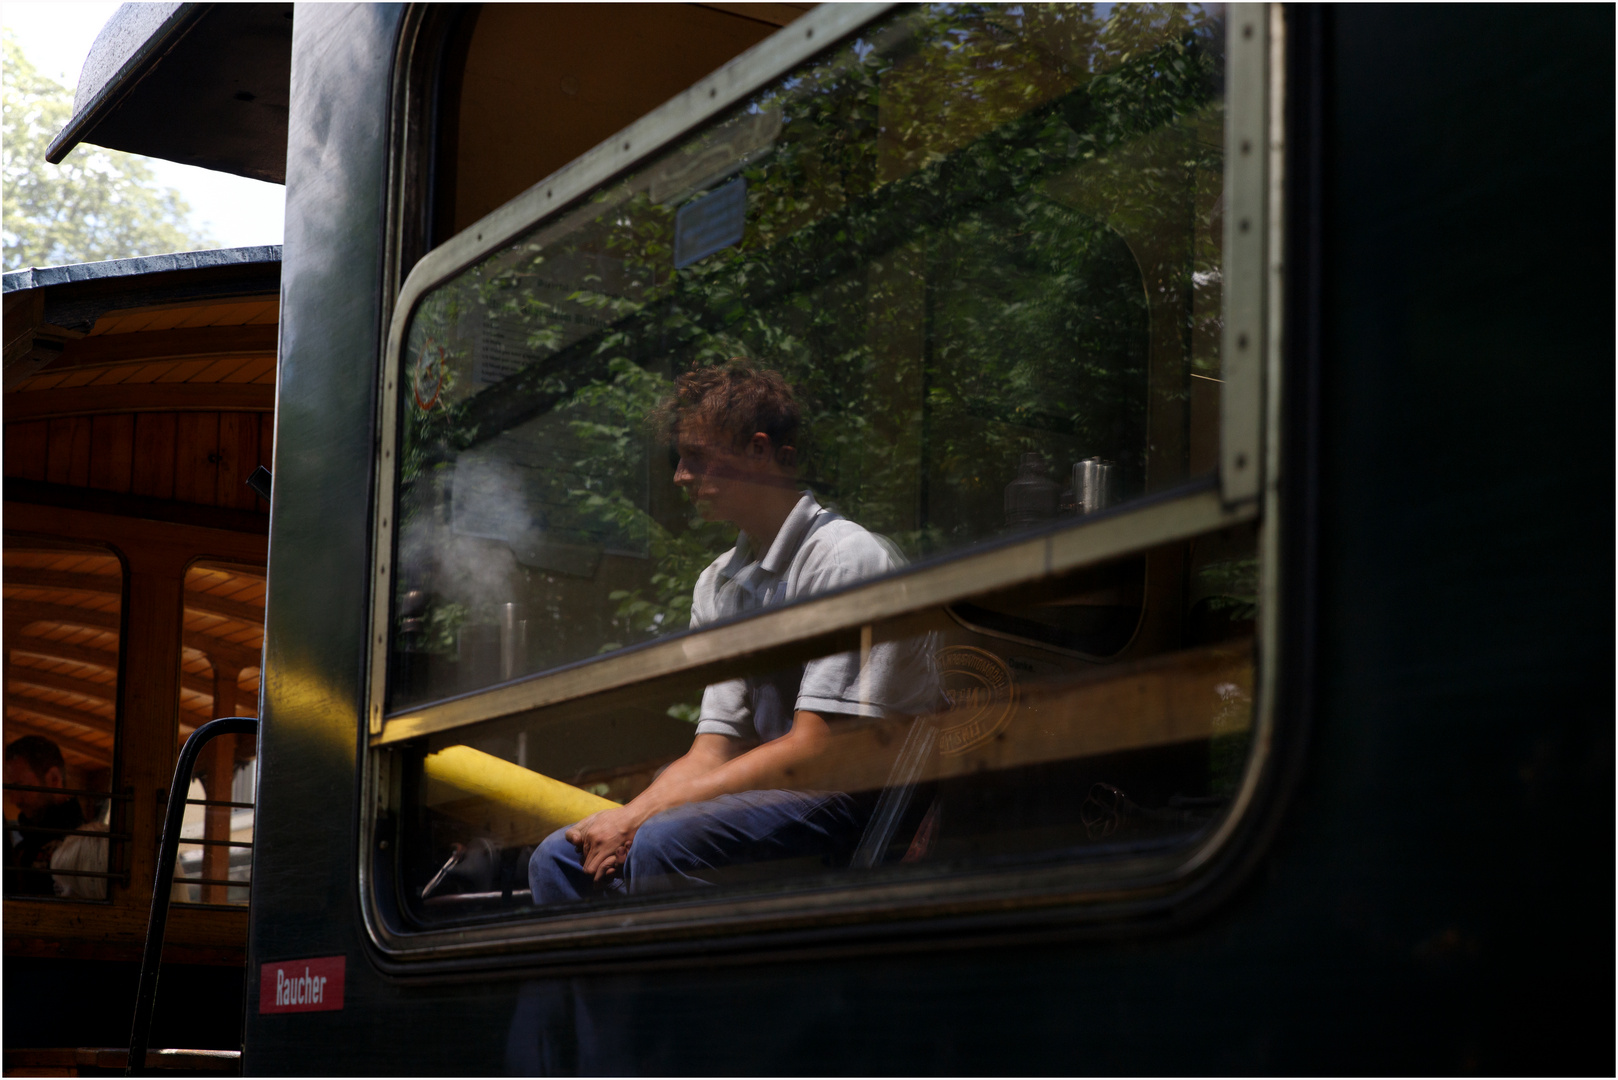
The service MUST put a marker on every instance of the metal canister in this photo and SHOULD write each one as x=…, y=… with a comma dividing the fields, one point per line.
x=513, y=642
x=1033, y=496
x=1093, y=482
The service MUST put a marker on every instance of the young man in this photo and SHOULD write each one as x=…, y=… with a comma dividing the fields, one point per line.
x=35, y=761
x=730, y=798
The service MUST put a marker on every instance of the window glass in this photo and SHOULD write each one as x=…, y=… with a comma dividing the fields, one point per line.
x=980, y=735
x=63, y=609
x=219, y=675
x=980, y=245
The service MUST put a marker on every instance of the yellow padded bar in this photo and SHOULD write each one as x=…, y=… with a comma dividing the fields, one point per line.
x=508, y=803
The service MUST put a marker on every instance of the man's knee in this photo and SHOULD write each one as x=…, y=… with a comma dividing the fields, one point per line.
x=552, y=867
x=660, y=844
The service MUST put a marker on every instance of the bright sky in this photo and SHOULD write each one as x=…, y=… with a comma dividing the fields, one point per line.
x=56, y=37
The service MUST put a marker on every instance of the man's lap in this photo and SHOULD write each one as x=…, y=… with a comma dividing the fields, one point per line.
x=678, y=847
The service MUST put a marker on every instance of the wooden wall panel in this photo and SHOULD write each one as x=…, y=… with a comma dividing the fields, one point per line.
x=196, y=458
x=25, y=450
x=67, y=447
x=153, y=472
x=112, y=452
x=238, y=457
x=202, y=457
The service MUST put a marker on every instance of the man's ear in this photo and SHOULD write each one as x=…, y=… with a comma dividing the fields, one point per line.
x=758, y=447
x=53, y=778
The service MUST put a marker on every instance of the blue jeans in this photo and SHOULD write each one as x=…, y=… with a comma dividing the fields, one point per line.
x=680, y=848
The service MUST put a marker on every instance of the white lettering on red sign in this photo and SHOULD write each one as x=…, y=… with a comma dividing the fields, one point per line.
x=313, y=985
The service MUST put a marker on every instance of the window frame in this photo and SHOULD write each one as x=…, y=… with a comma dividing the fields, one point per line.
x=1244, y=490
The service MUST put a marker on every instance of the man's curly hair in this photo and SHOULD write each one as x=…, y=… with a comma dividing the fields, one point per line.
x=737, y=399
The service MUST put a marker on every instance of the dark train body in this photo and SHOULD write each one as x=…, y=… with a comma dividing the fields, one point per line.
x=1421, y=877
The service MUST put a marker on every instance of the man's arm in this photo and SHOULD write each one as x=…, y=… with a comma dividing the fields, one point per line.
x=715, y=765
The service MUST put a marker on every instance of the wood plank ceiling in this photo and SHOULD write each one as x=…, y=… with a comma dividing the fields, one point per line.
x=169, y=402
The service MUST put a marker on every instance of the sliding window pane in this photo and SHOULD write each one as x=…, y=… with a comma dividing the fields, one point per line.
x=978, y=243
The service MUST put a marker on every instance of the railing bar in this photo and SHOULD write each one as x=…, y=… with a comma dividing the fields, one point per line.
x=212, y=881
x=122, y=875
x=67, y=832
x=220, y=802
x=69, y=791
x=184, y=840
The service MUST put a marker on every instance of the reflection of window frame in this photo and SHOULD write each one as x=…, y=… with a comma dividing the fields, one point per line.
x=1244, y=490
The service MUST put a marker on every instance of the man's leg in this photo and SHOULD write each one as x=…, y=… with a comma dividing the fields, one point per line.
x=675, y=849
x=555, y=875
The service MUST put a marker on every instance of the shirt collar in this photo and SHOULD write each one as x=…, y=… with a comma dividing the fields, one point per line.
x=785, y=546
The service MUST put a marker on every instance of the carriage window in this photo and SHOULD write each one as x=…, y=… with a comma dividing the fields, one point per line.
x=981, y=245
x=63, y=607
x=913, y=316
x=219, y=676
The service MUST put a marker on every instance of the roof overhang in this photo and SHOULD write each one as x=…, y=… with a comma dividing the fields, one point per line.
x=200, y=84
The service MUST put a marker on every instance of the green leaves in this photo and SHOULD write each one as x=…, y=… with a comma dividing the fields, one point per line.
x=98, y=204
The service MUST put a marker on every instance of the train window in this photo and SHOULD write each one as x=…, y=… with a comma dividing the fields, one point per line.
x=982, y=247
x=63, y=610
x=219, y=675
x=839, y=491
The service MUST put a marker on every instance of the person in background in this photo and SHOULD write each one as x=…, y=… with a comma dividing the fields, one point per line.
x=34, y=761
x=731, y=799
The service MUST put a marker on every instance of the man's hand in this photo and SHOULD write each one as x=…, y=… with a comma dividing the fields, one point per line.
x=603, y=840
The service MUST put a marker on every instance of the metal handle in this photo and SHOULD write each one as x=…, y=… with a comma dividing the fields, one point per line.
x=167, y=853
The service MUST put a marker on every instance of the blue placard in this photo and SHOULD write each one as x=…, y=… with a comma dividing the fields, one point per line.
x=711, y=223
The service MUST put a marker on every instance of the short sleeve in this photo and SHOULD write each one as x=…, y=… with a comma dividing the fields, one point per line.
x=726, y=711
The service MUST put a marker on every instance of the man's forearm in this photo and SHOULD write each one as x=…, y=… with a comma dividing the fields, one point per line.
x=774, y=764
x=708, y=753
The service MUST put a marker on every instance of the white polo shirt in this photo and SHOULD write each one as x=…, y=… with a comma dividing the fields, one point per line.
x=816, y=551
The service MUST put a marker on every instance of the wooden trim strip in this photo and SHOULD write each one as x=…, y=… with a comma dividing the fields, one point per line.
x=107, y=350
x=140, y=397
x=26, y=498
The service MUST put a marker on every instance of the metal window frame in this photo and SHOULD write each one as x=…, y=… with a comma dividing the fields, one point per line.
x=1245, y=491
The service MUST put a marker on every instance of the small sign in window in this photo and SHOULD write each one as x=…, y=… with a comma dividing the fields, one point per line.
x=711, y=223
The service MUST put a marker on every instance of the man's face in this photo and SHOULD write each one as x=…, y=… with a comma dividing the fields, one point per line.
x=717, y=476
x=31, y=802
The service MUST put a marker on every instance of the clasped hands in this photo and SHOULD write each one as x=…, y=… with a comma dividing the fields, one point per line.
x=603, y=840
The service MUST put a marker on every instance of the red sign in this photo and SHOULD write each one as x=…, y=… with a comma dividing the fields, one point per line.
x=314, y=985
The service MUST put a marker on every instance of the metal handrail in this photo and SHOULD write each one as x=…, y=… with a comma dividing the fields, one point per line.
x=167, y=854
